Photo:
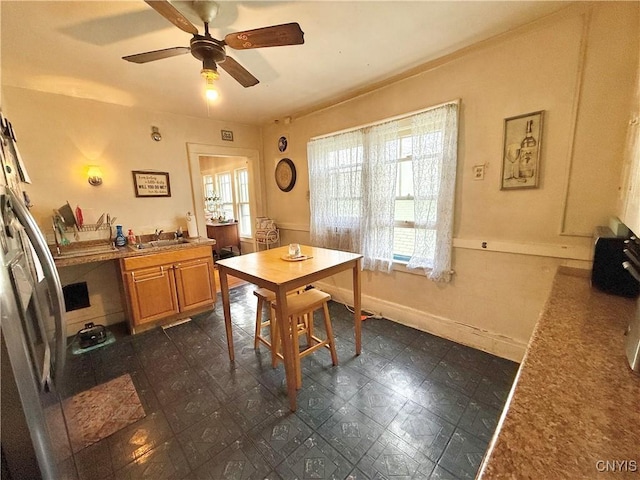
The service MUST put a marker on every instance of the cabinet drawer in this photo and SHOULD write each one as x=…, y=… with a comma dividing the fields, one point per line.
x=164, y=258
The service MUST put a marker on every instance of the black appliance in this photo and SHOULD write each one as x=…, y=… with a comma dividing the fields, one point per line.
x=91, y=335
x=608, y=274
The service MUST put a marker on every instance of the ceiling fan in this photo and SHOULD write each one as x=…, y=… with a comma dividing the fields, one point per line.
x=210, y=51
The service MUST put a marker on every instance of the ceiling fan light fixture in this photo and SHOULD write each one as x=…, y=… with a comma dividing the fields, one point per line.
x=210, y=76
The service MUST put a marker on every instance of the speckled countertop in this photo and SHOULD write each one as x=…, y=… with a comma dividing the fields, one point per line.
x=124, y=252
x=576, y=402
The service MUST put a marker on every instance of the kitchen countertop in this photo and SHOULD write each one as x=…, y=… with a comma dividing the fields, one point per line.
x=575, y=403
x=124, y=252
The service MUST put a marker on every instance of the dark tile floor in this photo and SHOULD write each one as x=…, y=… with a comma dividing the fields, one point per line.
x=412, y=405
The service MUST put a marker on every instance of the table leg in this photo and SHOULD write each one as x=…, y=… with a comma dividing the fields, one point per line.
x=357, y=313
x=224, y=291
x=282, y=316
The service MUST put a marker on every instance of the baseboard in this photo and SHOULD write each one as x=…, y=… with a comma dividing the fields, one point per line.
x=469, y=335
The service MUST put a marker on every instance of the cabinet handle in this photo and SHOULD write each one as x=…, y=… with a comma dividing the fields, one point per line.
x=150, y=277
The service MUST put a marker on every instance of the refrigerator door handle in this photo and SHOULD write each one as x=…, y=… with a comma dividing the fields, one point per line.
x=629, y=268
x=51, y=275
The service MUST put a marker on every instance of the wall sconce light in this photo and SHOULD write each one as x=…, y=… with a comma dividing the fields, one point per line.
x=95, y=175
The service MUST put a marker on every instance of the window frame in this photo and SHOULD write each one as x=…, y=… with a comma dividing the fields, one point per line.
x=239, y=203
x=405, y=132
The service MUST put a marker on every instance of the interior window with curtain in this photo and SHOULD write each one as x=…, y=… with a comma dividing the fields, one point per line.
x=387, y=191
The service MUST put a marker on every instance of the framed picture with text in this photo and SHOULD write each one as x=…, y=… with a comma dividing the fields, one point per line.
x=151, y=184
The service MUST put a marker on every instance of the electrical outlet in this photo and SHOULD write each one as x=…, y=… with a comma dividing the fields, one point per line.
x=478, y=172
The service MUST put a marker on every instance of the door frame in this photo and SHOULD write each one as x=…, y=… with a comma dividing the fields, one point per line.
x=257, y=200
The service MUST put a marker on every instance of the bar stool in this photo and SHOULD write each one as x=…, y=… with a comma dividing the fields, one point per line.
x=266, y=297
x=301, y=308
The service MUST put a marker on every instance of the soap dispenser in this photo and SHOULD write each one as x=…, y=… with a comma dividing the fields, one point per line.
x=120, y=240
x=131, y=238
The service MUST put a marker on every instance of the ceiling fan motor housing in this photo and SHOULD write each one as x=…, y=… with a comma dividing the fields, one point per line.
x=207, y=49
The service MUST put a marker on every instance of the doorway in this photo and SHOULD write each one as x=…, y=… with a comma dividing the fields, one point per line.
x=211, y=159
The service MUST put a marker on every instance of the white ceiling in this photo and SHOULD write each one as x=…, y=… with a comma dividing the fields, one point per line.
x=75, y=48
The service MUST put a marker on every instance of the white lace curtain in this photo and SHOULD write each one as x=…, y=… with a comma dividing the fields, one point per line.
x=353, y=181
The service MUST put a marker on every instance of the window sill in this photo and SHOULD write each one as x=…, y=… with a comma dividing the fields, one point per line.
x=401, y=266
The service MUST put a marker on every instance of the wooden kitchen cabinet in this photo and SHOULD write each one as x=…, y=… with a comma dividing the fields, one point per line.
x=152, y=293
x=226, y=236
x=167, y=286
x=194, y=283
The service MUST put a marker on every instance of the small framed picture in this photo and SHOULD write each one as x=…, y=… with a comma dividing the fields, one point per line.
x=151, y=184
x=521, y=151
x=282, y=144
x=227, y=135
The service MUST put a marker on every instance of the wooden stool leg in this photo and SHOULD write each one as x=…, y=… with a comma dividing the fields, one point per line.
x=309, y=322
x=275, y=338
x=327, y=326
x=296, y=353
x=258, y=323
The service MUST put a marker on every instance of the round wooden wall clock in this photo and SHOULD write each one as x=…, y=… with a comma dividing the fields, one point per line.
x=285, y=174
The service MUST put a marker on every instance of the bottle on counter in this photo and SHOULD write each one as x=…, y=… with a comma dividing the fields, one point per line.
x=120, y=240
x=131, y=238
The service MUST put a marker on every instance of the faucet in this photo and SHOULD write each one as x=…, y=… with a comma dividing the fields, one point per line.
x=158, y=233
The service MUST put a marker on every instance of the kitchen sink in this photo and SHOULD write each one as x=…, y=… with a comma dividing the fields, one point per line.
x=158, y=243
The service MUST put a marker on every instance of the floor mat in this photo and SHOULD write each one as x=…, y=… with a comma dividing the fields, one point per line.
x=101, y=411
x=75, y=344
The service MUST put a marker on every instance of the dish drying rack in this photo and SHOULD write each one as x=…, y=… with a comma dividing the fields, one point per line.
x=98, y=235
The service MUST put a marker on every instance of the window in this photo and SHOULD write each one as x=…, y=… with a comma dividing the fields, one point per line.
x=387, y=191
x=242, y=201
x=225, y=192
x=229, y=199
x=209, y=187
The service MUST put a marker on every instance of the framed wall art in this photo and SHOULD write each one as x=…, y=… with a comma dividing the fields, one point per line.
x=283, y=142
x=521, y=151
x=151, y=184
x=226, y=135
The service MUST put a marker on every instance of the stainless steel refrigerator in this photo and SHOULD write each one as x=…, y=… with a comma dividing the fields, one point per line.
x=33, y=434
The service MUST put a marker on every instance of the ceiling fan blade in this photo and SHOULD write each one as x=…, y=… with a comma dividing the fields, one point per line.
x=156, y=54
x=168, y=11
x=274, y=36
x=238, y=72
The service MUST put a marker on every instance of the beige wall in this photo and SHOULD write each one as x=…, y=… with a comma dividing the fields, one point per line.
x=58, y=136
x=579, y=68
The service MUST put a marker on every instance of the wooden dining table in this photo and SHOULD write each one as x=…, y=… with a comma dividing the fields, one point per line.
x=273, y=270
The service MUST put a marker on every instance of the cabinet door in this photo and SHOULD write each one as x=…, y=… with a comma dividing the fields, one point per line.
x=195, y=284
x=225, y=235
x=153, y=293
